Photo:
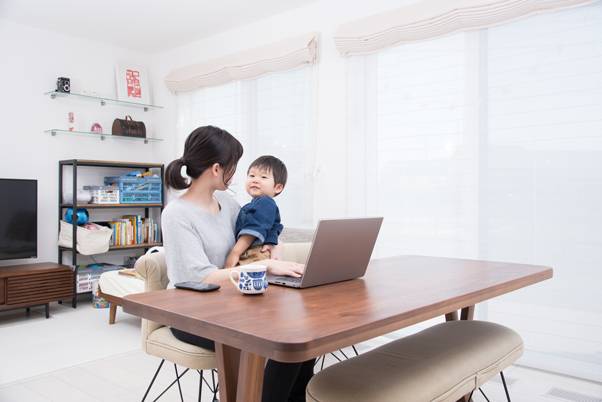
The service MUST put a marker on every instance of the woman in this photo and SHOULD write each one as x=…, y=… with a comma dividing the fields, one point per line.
x=198, y=235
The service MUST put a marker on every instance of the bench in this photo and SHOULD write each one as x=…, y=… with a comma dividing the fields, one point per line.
x=439, y=364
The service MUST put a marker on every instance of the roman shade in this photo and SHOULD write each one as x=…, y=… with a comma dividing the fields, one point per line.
x=281, y=56
x=431, y=19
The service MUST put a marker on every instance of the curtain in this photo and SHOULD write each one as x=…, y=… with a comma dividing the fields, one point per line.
x=285, y=55
x=272, y=115
x=487, y=144
x=430, y=19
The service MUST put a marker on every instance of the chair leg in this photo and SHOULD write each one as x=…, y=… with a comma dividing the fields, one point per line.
x=215, y=385
x=505, y=387
x=470, y=396
x=355, y=350
x=153, y=380
x=484, y=396
x=214, y=388
x=178, y=380
x=112, y=313
x=200, y=385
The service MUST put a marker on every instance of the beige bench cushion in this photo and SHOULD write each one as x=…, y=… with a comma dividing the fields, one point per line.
x=441, y=363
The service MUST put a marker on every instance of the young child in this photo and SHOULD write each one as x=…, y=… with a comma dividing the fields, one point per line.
x=258, y=222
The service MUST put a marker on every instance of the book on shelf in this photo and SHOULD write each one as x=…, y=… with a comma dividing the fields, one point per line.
x=133, y=229
x=136, y=235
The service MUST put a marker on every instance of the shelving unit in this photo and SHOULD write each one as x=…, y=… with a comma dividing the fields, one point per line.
x=101, y=102
x=76, y=163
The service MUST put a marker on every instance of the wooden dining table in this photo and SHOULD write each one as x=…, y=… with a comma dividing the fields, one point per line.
x=295, y=325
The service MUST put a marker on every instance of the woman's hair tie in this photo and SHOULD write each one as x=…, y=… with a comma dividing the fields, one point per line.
x=183, y=160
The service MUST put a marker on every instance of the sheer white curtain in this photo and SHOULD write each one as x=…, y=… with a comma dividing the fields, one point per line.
x=271, y=115
x=488, y=144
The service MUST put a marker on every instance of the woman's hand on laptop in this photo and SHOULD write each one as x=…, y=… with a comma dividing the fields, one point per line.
x=283, y=268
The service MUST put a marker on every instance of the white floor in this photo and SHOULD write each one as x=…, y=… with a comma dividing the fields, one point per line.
x=75, y=355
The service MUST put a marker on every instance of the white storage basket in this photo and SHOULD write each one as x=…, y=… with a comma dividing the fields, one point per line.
x=88, y=241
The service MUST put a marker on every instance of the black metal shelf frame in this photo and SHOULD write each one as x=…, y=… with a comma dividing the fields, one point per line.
x=107, y=164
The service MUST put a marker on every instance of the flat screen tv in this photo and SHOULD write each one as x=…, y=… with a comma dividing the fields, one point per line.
x=18, y=219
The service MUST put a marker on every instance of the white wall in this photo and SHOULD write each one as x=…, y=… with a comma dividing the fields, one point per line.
x=32, y=59
x=322, y=17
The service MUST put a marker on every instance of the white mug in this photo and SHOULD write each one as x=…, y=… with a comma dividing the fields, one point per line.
x=252, y=279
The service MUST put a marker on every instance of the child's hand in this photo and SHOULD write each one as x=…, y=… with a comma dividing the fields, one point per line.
x=231, y=261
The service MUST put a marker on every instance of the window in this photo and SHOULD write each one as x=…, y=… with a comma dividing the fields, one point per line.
x=270, y=115
x=488, y=144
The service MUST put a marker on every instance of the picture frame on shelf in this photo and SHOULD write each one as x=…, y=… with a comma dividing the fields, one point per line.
x=132, y=82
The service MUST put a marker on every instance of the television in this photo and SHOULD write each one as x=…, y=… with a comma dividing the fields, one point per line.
x=18, y=219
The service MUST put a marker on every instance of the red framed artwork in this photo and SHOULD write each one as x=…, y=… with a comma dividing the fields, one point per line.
x=132, y=82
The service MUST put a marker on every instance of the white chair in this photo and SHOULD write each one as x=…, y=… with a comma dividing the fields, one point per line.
x=157, y=339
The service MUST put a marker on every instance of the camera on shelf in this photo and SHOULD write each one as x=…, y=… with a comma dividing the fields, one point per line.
x=63, y=84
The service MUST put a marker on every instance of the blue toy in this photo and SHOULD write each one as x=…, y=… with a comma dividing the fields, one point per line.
x=82, y=216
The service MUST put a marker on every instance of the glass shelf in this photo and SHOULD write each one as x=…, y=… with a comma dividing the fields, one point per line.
x=102, y=136
x=102, y=101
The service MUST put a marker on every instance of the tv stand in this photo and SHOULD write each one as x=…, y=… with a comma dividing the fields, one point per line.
x=29, y=285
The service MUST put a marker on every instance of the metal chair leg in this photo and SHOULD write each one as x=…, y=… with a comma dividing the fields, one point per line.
x=153, y=380
x=200, y=384
x=215, y=386
x=484, y=396
x=178, y=380
x=470, y=396
x=505, y=387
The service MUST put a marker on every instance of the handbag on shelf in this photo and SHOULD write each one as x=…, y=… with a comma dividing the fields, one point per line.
x=129, y=128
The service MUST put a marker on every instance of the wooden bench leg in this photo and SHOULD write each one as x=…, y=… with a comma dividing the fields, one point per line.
x=112, y=313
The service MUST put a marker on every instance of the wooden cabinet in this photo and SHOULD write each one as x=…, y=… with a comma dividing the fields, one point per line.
x=28, y=285
x=2, y=291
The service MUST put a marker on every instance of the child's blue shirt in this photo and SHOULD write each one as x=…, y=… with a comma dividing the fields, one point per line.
x=260, y=218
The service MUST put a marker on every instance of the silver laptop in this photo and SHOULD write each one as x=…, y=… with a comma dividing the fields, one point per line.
x=340, y=251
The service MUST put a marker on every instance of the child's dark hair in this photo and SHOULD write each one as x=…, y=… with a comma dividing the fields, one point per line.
x=274, y=165
x=203, y=148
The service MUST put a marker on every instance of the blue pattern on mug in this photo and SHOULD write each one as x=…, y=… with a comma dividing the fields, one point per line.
x=245, y=282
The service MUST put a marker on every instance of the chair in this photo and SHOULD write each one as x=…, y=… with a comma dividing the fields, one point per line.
x=157, y=339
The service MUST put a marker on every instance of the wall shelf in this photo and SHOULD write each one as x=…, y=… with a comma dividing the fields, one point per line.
x=102, y=101
x=102, y=136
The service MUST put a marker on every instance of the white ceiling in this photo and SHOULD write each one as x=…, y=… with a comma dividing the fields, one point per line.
x=148, y=26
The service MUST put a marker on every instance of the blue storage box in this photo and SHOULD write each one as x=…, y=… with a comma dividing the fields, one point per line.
x=136, y=190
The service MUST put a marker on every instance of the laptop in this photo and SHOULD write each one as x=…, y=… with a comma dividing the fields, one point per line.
x=341, y=250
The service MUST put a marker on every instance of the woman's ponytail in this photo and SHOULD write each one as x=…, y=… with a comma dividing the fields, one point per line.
x=173, y=176
x=203, y=148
